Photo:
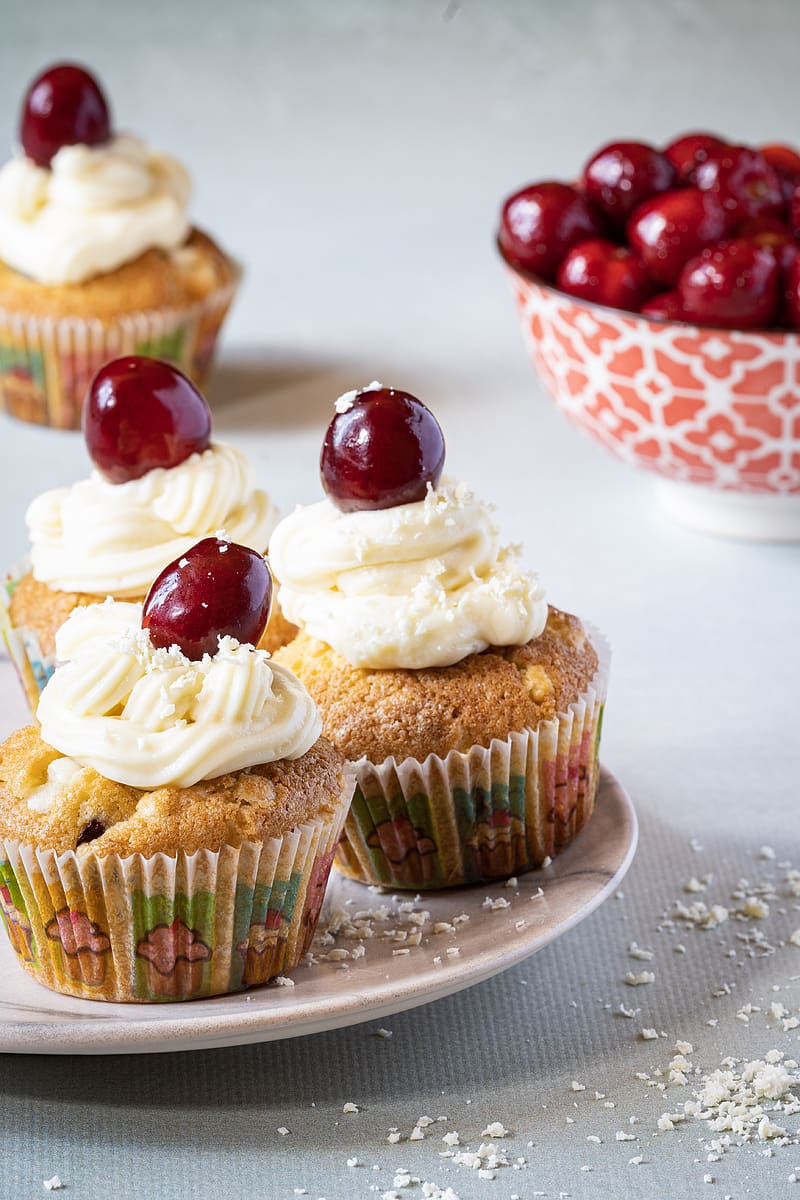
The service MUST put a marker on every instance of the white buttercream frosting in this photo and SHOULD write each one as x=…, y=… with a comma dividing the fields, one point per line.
x=417, y=585
x=92, y=210
x=153, y=718
x=114, y=538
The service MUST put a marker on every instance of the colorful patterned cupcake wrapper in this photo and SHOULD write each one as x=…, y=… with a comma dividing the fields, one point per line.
x=32, y=666
x=488, y=813
x=167, y=927
x=47, y=364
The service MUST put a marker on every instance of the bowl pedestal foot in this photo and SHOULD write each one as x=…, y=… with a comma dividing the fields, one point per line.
x=746, y=516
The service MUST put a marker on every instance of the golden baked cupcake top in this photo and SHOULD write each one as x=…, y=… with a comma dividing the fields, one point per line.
x=158, y=279
x=413, y=713
x=171, y=730
x=96, y=815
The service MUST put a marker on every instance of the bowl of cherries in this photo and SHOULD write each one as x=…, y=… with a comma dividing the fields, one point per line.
x=660, y=302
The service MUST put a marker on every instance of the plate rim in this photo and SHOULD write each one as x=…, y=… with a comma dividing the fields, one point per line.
x=181, y=1032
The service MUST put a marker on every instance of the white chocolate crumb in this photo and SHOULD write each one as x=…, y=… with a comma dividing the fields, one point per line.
x=496, y=1130
x=638, y=980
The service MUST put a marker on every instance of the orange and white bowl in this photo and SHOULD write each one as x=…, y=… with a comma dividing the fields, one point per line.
x=714, y=412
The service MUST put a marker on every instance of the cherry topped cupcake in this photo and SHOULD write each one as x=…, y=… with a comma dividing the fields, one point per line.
x=168, y=831
x=471, y=707
x=160, y=482
x=98, y=255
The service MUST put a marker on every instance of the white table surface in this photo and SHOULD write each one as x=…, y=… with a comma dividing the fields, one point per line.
x=354, y=155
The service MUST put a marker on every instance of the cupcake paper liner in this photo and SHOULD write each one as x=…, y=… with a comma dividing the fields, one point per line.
x=168, y=927
x=486, y=813
x=47, y=363
x=32, y=666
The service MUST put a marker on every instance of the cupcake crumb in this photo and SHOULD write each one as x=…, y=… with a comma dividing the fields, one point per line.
x=639, y=980
x=496, y=1129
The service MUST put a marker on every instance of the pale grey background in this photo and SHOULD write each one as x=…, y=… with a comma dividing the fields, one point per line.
x=354, y=156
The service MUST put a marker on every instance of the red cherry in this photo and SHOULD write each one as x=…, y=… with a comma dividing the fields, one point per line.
x=786, y=161
x=733, y=285
x=781, y=157
x=791, y=296
x=381, y=449
x=217, y=589
x=605, y=273
x=539, y=224
x=774, y=234
x=623, y=175
x=743, y=181
x=794, y=210
x=669, y=229
x=63, y=106
x=666, y=306
x=688, y=151
x=142, y=413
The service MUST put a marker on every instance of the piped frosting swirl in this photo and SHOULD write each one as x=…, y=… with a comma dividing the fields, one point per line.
x=92, y=210
x=104, y=538
x=151, y=718
x=416, y=585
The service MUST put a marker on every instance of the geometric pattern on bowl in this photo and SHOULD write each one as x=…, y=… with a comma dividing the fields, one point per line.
x=707, y=406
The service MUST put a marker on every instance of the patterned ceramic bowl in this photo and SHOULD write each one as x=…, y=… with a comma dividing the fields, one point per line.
x=715, y=413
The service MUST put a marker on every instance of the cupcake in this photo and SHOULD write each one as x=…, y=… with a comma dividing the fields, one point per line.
x=97, y=254
x=471, y=708
x=159, y=484
x=168, y=831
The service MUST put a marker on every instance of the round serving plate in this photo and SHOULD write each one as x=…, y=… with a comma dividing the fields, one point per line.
x=506, y=923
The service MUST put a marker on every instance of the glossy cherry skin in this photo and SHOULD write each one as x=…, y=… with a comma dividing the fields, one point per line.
x=623, y=175
x=605, y=273
x=794, y=211
x=743, y=181
x=733, y=285
x=781, y=157
x=774, y=234
x=667, y=230
x=142, y=413
x=688, y=151
x=791, y=294
x=786, y=161
x=63, y=106
x=539, y=224
x=216, y=589
x=383, y=450
x=666, y=306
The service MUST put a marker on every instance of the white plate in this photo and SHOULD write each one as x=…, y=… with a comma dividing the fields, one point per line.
x=326, y=995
